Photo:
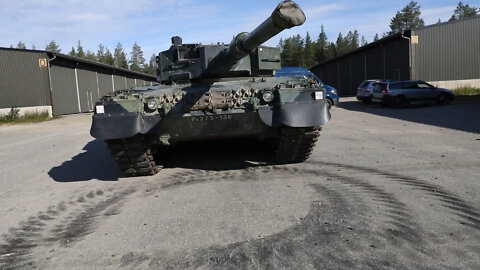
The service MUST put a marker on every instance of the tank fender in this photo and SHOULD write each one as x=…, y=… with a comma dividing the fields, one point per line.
x=295, y=114
x=117, y=126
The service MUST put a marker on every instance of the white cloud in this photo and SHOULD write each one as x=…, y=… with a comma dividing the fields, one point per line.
x=431, y=16
x=89, y=17
x=324, y=10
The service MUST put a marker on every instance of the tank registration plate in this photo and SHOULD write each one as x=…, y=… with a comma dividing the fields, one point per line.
x=211, y=117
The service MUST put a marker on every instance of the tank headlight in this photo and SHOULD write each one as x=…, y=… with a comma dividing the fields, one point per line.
x=267, y=96
x=318, y=95
x=152, y=104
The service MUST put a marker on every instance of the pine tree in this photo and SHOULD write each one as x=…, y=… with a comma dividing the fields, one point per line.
x=309, y=52
x=463, y=11
x=21, y=45
x=407, y=18
x=292, y=53
x=321, y=48
x=136, y=61
x=80, y=52
x=72, y=52
x=53, y=47
x=101, y=53
x=342, y=44
x=151, y=67
x=89, y=55
x=119, y=56
x=33, y=47
x=109, y=60
x=375, y=38
x=363, y=41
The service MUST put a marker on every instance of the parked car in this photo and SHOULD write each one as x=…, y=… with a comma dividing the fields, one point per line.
x=332, y=95
x=365, y=90
x=401, y=93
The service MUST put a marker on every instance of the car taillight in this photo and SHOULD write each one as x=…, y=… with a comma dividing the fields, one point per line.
x=366, y=90
x=384, y=90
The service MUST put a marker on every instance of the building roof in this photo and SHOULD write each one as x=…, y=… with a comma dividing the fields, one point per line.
x=381, y=41
x=54, y=55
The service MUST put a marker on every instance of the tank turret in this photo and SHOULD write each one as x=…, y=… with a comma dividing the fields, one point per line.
x=243, y=57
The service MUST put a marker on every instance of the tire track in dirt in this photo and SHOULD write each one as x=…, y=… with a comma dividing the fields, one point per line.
x=469, y=215
x=399, y=239
x=64, y=224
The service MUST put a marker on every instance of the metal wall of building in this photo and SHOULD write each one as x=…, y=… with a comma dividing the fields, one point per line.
x=447, y=51
x=73, y=85
x=64, y=90
x=104, y=83
x=384, y=59
x=23, y=82
x=78, y=84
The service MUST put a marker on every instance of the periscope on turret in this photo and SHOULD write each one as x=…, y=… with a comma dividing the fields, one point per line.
x=213, y=92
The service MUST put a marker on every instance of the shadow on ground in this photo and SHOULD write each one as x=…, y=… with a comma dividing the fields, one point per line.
x=94, y=163
x=464, y=117
x=220, y=155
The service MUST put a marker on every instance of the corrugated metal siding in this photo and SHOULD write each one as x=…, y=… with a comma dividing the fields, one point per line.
x=23, y=83
x=448, y=51
x=119, y=82
x=64, y=90
x=105, y=83
x=140, y=82
x=87, y=87
x=130, y=82
x=383, y=61
x=357, y=70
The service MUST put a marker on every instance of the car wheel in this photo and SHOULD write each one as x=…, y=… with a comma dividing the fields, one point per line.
x=329, y=104
x=399, y=102
x=443, y=99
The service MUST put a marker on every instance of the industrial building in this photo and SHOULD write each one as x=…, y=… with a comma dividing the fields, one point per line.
x=445, y=54
x=33, y=80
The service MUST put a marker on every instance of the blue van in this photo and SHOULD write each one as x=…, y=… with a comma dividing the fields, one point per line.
x=332, y=96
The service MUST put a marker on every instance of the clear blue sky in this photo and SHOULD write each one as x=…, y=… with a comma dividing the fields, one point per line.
x=151, y=23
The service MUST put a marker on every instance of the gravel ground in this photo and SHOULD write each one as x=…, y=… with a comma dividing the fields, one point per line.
x=384, y=188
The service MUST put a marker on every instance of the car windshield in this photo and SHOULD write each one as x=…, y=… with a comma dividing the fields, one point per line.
x=424, y=85
x=311, y=77
x=364, y=84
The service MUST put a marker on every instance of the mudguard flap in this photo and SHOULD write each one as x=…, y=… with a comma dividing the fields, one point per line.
x=117, y=126
x=295, y=114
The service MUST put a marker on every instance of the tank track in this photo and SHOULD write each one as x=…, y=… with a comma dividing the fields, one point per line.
x=134, y=156
x=296, y=144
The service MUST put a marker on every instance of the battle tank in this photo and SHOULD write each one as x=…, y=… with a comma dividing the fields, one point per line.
x=211, y=92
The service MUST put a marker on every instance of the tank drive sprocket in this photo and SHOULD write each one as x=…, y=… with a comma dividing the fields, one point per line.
x=134, y=155
x=295, y=145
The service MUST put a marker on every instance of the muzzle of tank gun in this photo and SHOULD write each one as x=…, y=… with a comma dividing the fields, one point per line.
x=286, y=15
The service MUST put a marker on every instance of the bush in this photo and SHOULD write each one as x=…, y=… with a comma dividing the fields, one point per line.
x=13, y=115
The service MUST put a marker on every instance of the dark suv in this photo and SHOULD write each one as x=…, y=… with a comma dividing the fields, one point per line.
x=401, y=93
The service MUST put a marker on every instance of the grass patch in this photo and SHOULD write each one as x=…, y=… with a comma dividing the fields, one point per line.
x=467, y=91
x=29, y=117
x=467, y=95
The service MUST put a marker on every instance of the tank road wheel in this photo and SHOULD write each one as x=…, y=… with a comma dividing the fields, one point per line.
x=134, y=155
x=296, y=144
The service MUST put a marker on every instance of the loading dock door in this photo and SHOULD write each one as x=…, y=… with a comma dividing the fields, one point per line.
x=64, y=91
x=87, y=89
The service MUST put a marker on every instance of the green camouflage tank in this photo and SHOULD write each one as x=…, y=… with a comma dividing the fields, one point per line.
x=215, y=91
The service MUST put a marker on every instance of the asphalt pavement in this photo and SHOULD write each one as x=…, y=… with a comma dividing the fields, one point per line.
x=384, y=188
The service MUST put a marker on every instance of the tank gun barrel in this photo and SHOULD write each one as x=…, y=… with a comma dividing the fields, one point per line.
x=286, y=15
